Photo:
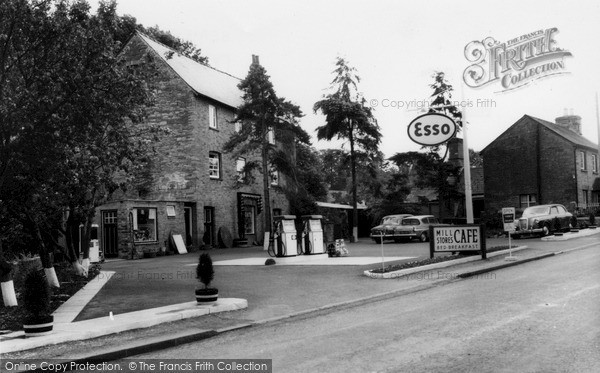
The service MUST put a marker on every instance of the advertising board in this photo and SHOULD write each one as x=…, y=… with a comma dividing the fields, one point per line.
x=457, y=238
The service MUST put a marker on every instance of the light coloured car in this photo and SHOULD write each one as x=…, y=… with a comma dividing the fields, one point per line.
x=388, y=228
x=417, y=227
x=543, y=220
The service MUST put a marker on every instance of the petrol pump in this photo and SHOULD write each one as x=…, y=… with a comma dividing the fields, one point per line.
x=312, y=235
x=284, y=236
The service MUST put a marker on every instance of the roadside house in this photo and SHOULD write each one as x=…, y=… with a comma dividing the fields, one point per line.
x=193, y=188
x=538, y=162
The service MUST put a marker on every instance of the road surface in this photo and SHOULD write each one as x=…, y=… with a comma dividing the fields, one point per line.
x=543, y=316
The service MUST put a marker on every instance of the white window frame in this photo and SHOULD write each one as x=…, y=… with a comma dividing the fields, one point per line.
x=139, y=235
x=212, y=117
x=273, y=176
x=526, y=200
x=240, y=164
x=171, y=211
x=214, y=165
x=595, y=163
x=583, y=161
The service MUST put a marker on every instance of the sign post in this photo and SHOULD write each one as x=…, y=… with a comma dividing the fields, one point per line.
x=508, y=219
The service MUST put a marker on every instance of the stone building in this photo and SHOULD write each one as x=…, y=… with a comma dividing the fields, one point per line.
x=540, y=162
x=193, y=189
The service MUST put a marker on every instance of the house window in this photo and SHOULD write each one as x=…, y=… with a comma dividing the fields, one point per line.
x=214, y=165
x=240, y=164
x=144, y=224
x=238, y=127
x=249, y=219
x=274, y=176
x=212, y=116
x=584, y=198
x=527, y=200
x=170, y=211
x=582, y=161
x=271, y=136
x=595, y=163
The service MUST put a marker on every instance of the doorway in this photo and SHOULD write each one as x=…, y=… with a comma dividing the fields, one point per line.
x=110, y=239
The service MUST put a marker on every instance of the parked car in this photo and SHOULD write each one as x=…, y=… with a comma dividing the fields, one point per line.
x=417, y=227
x=541, y=220
x=388, y=227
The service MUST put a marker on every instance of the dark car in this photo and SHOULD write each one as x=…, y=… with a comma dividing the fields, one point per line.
x=543, y=220
x=388, y=228
x=417, y=227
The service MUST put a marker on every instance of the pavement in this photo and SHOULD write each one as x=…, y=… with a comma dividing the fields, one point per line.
x=140, y=306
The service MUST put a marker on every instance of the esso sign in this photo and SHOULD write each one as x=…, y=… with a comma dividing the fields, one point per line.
x=431, y=129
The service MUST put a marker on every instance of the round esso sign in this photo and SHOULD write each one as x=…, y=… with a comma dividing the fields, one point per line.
x=431, y=129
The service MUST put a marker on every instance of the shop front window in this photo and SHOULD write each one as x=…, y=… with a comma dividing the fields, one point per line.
x=144, y=224
x=249, y=219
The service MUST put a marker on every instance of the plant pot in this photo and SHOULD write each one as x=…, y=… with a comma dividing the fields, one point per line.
x=38, y=325
x=207, y=296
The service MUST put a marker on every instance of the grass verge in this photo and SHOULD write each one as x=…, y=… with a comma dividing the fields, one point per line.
x=437, y=259
x=11, y=318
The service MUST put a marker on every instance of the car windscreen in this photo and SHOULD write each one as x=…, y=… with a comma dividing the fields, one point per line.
x=542, y=210
x=410, y=222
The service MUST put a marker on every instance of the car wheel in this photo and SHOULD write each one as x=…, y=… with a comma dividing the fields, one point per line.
x=545, y=230
x=377, y=240
x=423, y=237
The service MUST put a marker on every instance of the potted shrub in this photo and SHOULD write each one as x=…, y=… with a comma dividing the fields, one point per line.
x=205, y=274
x=557, y=227
x=36, y=300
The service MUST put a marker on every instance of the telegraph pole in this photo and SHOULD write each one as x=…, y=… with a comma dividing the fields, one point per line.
x=467, y=163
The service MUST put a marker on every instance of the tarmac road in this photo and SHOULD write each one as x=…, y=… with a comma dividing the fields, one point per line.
x=538, y=316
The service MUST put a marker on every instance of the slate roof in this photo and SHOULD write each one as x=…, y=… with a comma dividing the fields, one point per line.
x=566, y=133
x=204, y=80
x=563, y=132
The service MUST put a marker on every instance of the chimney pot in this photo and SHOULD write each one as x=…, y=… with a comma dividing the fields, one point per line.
x=570, y=121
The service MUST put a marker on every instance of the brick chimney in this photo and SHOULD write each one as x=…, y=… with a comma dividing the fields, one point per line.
x=255, y=60
x=570, y=121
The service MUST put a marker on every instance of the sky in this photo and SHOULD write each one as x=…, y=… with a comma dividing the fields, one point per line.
x=396, y=47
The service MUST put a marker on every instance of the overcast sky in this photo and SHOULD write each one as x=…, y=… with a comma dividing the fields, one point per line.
x=396, y=46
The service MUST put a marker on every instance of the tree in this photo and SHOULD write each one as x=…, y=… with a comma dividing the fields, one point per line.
x=348, y=117
x=309, y=181
x=69, y=120
x=264, y=114
x=432, y=170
